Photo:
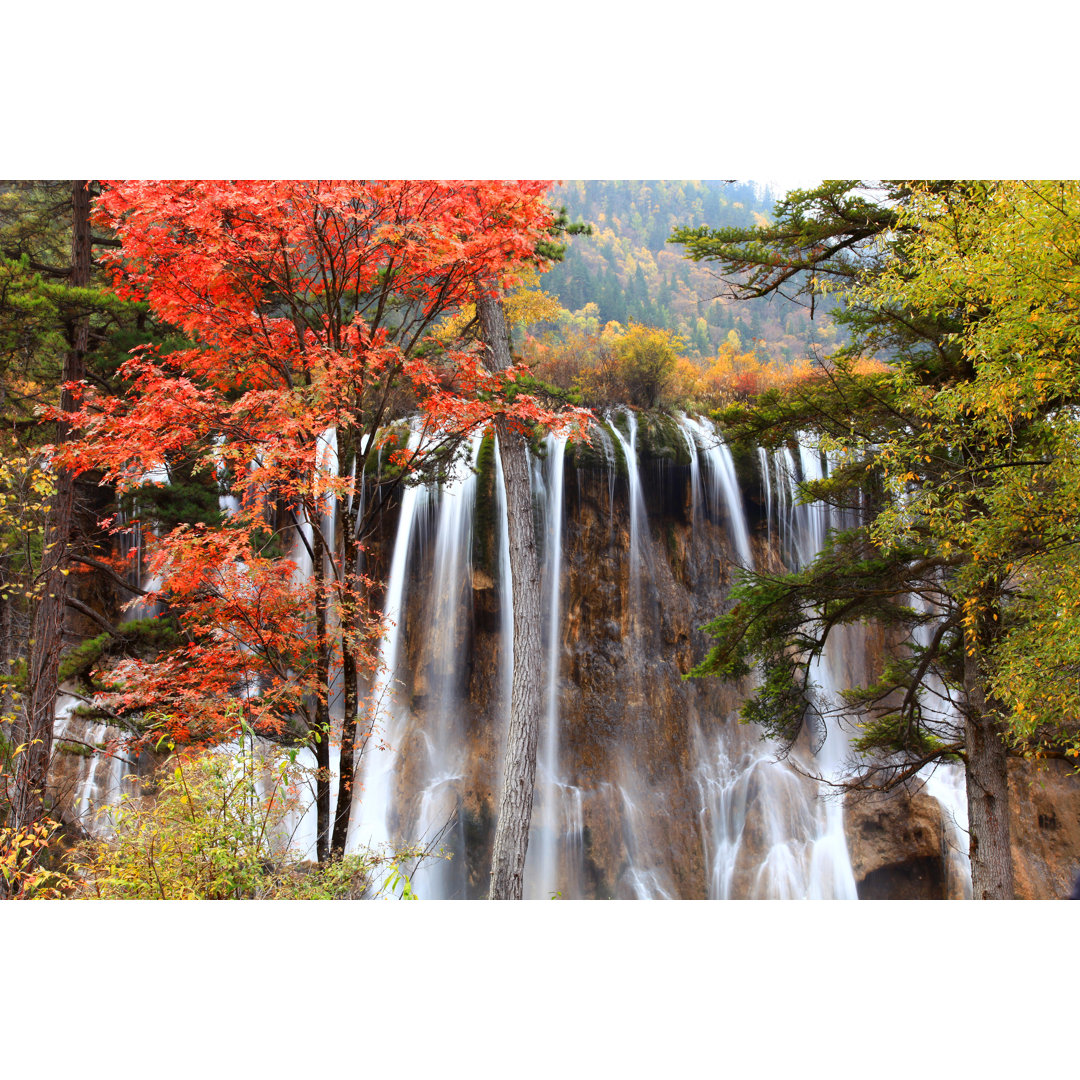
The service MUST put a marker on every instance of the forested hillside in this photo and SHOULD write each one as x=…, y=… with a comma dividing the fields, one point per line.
x=629, y=271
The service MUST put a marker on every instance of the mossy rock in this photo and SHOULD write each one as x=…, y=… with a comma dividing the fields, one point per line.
x=661, y=439
x=594, y=455
x=140, y=637
x=74, y=749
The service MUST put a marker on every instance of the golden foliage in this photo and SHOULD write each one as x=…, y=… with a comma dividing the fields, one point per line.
x=646, y=366
x=526, y=306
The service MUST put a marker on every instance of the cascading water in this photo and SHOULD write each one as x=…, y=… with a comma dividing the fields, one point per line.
x=723, y=485
x=646, y=787
x=554, y=817
x=370, y=826
x=644, y=879
x=765, y=465
x=944, y=781
x=93, y=776
x=799, y=844
x=628, y=445
x=437, y=818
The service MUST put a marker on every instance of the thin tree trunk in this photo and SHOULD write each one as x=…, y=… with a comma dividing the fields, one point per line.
x=322, y=705
x=987, y=790
x=6, y=652
x=515, y=807
x=36, y=728
x=350, y=691
x=346, y=759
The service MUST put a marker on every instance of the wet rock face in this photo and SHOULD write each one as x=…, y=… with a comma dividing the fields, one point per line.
x=900, y=846
x=896, y=843
x=1045, y=828
x=628, y=720
x=916, y=879
x=659, y=790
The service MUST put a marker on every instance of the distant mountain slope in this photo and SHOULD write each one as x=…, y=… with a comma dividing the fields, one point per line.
x=631, y=273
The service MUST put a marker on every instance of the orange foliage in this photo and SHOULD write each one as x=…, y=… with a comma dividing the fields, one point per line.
x=309, y=305
x=594, y=365
x=737, y=376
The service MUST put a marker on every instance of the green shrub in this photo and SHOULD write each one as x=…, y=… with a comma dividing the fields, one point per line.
x=216, y=830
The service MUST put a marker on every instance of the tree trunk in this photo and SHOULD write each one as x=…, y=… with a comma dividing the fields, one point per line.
x=347, y=757
x=322, y=703
x=987, y=790
x=350, y=691
x=36, y=728
x=515, y=806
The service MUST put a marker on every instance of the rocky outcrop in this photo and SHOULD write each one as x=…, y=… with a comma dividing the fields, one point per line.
x=1045, y=828
x=901, y=845
x=897, y=843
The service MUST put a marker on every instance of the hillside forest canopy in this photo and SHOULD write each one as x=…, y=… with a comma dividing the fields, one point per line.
x=172, y=355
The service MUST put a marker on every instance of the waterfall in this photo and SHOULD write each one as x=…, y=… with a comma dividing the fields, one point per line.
x=548, y=829
x=438, y=819
x=370, y=825
x=723, y=485
x=87, y=782
x=764, y=463
x=800, y=849
x=628, y=445
x=944, y=781
x=647, y=787
x=697, y=496
x=799, y=846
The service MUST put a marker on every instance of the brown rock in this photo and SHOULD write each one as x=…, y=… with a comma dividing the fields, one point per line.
x=896, y=844
x=1045, y=828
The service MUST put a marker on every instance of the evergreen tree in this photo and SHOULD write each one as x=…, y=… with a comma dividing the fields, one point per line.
x=55, y=318
x=939, y=476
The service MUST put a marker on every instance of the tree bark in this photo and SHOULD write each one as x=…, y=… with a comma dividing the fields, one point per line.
x=322, y=702
x=515, y=806
x=36, y=727
x=350, y=690
x=987, y=789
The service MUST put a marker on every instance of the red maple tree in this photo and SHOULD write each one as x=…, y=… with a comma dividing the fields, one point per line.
x=310, y=307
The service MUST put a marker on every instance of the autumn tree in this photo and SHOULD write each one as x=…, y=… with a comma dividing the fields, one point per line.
x=1002, y=257
x=312, y=308
x=646, y=360
x=942, y=455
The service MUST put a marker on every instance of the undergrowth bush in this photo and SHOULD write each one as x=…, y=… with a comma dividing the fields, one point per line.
x=217, y=827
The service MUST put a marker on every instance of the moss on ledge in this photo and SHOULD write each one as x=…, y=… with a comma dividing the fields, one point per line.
x=661, y=439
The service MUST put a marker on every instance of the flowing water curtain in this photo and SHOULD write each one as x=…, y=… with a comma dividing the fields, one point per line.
x=766, y=832
x=804, y=854
x=371, y=825
x=725, y=501
x=91, y=771
x=763, y=831
x=435, y=734
x=944, y=781
x=556, y=799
